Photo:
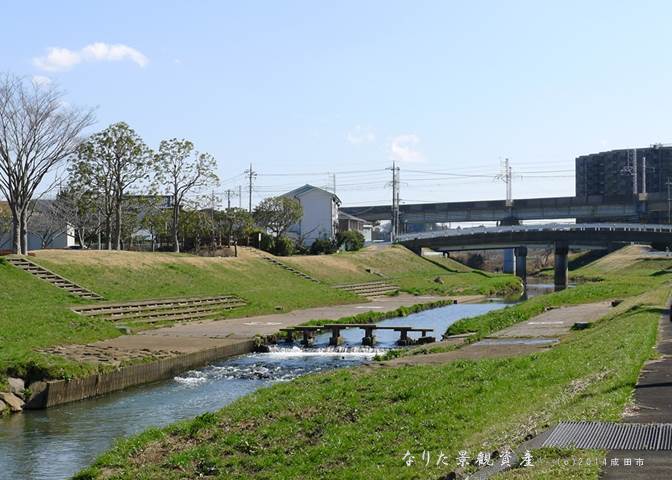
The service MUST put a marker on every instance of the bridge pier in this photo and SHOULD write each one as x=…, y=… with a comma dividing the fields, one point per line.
x=509, y=261
x=521, y=262
x=560, y=276
x=369, y=339
x=335, y=340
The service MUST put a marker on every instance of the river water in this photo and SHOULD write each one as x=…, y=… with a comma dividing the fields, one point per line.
x=57, y=442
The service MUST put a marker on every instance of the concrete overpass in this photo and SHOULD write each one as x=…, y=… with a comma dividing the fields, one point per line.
x=520, y=237
x=625, y=208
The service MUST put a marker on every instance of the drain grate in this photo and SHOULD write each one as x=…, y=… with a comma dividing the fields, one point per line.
x=611, y=436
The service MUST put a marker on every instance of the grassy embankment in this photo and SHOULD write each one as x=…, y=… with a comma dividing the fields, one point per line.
x=34, y=314
x=402, y=267
x=358, y=423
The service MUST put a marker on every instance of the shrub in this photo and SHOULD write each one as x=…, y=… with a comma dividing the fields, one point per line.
x=266, y=243
x=323, y=245
x=284, y=246
x=350, y=239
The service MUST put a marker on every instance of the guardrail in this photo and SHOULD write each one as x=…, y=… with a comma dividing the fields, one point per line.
x=548, y=227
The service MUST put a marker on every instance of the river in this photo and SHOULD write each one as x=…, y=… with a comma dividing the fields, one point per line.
x=57, y=442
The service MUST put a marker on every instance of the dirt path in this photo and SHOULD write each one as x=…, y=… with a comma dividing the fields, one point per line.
x=538, y=333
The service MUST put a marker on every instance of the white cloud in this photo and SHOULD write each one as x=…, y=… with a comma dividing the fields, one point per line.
x=41, y=80
x=402, y=148
x=360, y=135
x=58, y=59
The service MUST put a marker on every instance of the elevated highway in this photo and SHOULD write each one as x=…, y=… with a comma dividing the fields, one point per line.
x=625, y=208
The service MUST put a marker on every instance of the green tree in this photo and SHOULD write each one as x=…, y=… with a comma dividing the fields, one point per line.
x=179, y=171
x=278, y=214
x=109, y=163
x=351, y=240
x=234, y=224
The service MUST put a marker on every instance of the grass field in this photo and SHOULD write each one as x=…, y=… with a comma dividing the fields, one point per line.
x=358, y=423
x=402, y=267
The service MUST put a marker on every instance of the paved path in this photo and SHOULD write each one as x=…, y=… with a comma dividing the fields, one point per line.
x=653, y=404
x=555, y=322
x=526, y=337
x=195, y=336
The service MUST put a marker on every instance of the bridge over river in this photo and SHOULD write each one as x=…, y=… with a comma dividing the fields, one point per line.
x=520, y=237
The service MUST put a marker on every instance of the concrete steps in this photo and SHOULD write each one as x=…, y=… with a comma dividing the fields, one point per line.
x=53, y=278
x=152, y=311
x=369, y=289
x=290, y=269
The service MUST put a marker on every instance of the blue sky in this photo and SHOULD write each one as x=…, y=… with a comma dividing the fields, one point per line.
x=299, y=86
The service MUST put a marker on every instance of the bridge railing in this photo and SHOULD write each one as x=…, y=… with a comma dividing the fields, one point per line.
x=546, y=227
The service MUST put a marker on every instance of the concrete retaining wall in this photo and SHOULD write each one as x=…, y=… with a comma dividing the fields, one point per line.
x=56, y=392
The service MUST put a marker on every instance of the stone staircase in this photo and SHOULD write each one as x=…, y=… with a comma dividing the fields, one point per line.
x=282, y=265
x=369, y=289
x=153, y=311
x=56, y=280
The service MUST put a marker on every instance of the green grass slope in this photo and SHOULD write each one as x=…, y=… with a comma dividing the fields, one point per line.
x=35, y=314
x=399, y=265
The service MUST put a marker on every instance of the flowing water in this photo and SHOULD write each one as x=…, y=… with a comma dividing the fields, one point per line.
x=57, y=442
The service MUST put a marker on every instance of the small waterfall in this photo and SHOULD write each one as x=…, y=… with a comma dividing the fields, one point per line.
x=342, y=352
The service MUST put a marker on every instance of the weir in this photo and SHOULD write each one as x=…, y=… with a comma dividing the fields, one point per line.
x=369, y=339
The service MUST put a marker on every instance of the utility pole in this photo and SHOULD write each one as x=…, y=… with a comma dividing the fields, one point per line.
x=398, y=222
x=333, y=182
x=507, y=177
x=394, y=230
x=240, y=196
x=631, y=169
x=251, y=174
x=229, y=193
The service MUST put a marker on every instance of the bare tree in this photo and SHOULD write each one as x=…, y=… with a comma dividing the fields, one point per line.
x=77, y=208
x=37, y=131
x=180, y=170
x=110, y=163
x=46, y=223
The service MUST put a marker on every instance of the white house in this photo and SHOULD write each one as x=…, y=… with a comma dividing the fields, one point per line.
x=320, y=214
